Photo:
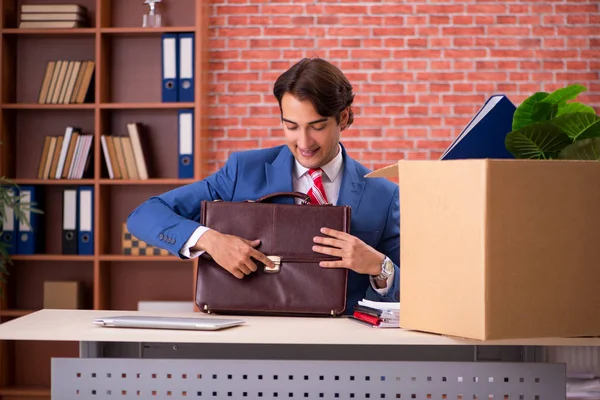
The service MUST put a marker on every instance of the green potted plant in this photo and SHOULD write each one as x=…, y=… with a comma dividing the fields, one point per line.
x=21, y=209
x=551, y=126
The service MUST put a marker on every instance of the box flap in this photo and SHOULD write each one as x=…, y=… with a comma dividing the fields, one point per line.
x=386, y=172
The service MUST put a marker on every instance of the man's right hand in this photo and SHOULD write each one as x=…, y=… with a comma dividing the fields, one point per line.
x=231, y=252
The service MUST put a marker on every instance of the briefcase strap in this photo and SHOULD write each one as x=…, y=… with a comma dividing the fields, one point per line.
x=299, y=195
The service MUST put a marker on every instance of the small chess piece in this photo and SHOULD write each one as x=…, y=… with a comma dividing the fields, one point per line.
x=152, y=19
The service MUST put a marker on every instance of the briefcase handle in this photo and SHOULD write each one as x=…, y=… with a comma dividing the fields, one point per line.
x=299, y=195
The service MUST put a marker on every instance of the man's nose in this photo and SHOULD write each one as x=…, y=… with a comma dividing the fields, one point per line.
x=304, y=139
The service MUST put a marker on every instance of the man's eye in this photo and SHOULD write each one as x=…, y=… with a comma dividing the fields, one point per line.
x=319, y=127
x=291, y=128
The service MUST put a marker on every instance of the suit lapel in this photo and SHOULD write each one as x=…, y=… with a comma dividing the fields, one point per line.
x=279, y=175
x=352, y=186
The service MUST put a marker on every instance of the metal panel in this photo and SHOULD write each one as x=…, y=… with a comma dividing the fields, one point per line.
x=76, y=378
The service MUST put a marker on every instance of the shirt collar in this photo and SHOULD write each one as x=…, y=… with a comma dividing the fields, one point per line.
x=331, y=170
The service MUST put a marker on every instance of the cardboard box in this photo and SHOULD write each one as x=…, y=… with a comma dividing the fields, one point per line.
x=63, y=295
x=499, y=249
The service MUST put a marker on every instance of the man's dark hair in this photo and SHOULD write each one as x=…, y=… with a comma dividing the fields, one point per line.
x=321, y=83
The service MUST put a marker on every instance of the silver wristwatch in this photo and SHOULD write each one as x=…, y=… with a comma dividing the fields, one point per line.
x=387, y=267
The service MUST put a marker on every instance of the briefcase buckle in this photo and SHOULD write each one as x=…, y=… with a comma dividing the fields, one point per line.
x=275, y=268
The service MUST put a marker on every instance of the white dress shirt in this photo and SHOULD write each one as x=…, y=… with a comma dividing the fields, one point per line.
x=332, y=180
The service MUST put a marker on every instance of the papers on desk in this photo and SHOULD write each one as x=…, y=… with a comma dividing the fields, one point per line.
x=583, y=388
x=377, y=314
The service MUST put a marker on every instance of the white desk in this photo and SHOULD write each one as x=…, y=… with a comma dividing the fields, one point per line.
x=320, y=354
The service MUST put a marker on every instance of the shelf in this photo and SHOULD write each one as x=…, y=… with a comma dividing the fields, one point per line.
x=91, y=106
x=35, y=106
x=122, y=257
x=15, y=313
x=141, y=106
x=146, y=31
x=158, y=181
x=52, y=257
x=53, y=181
x=24, y=392
x=49, y=31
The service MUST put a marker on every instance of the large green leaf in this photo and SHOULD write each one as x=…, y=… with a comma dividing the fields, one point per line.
x=523, y=115
x=564, y=94
x=580, y=125
x=544, y=111
x=585, y=149
x=541, y=140
x=573, y=108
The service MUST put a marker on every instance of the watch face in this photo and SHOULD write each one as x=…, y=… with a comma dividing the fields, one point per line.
x=388, y=266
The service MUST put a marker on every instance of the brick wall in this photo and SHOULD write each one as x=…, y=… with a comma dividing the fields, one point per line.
x=420, y=68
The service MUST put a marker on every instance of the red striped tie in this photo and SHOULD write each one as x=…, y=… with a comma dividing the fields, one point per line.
x=317, y=191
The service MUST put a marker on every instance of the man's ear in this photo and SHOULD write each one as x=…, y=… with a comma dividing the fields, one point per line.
x=344, y=115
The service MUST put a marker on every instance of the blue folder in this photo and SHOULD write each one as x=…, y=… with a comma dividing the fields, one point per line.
x=484, y=136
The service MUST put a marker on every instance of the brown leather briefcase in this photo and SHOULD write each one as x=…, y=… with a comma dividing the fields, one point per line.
x=296, y=285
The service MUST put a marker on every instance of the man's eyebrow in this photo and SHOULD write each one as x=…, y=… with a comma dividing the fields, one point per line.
x=311, y=122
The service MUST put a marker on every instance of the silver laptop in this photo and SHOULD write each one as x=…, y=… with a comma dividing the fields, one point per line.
x=151, y=322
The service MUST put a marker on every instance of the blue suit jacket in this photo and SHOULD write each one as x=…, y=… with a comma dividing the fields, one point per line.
x=168, y=220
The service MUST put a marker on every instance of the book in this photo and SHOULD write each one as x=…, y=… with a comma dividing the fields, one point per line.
x=484, y=136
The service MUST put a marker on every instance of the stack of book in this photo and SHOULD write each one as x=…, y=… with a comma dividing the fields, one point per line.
x=67, y=156
x=67, y=82
x=53, y=16
x=124, y=155
x=377, y=314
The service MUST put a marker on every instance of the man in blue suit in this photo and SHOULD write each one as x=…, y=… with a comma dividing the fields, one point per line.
x=315, y=100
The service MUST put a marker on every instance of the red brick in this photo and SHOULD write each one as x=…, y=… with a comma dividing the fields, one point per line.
x=417, y=42
x=439, y=20
x=392, y=144
x=440, y=9
x=485, y=19
x=556, y=54
x=506, y=19
x=508, y=31
x=393, y=9
x=237, y=20
x=416, y=20
x=577, y=65
x=391, y=20
x=462, y=20
x=328, y=19
x=529, y=19
x=349, y=20
x=463, y=31
x=281, y=9
x=240, y=10
x=533, y=42
x=284, y=31
x=242, y=32
x=558, y=43
x=347, y=31
x=346, y=9
x=518, y=9
x=394, y=31
x=372, y=20
x=577, y=8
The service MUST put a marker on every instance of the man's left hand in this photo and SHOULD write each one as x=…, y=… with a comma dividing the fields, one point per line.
x=354, y=253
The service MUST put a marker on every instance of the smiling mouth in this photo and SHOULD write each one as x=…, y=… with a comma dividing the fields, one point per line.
x=308, y=153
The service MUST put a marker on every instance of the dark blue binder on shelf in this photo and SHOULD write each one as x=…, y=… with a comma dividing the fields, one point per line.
x=186, y=67
x=30, y=237
x=85, y=220
x=170, y=67
x=185, y=132
x=484, y=136
x=9, y=225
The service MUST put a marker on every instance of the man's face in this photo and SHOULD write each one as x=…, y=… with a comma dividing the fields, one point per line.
x=312, y=138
